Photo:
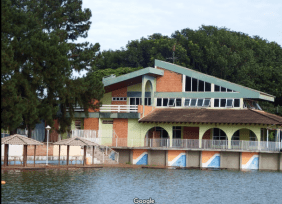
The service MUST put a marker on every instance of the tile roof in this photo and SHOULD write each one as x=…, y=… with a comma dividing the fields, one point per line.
x=191, y=115
x=76, y=141
x=19, y=140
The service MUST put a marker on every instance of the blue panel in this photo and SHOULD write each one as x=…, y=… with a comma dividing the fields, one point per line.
x=215, y=162
x=143, y=160
x=180, y=162
x=138, y=94
x=254, y=164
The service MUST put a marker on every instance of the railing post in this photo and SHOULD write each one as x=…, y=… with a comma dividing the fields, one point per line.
x=150, y=142
x=267, y=139
x=116, y=142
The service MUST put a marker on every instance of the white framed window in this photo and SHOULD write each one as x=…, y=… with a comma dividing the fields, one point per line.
x=119, y=98
x=218, y=134
x=138, y=101
x=227, y=103
x=196, y=85
x=222, y=89
x=187, y=102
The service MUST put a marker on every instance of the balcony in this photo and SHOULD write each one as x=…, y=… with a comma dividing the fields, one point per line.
x=119, y=111
x=119, y=108
x=198, y=144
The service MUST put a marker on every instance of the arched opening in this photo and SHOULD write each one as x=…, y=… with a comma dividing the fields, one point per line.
x=215, y=138
x=244, y=134
x=243, y=138
x=156, y=137
x=148, y=93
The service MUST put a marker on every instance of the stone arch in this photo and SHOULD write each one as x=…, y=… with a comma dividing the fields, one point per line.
x=244, y=134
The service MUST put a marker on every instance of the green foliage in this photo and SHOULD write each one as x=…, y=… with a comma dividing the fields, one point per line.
x=38, y=56
x=233, y=56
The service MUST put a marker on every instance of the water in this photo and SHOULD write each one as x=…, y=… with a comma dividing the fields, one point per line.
x=122, y=185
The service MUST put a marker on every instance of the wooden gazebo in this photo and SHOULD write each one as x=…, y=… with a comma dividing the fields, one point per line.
x=19, y=140
x=76, y=141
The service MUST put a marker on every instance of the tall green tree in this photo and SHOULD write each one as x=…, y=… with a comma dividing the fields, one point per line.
x=40, y=41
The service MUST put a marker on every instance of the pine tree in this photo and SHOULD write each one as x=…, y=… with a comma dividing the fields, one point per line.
x=40, y=54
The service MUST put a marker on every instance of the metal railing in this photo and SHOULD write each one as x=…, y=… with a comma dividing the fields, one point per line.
x=119, y=108
x=198, y=144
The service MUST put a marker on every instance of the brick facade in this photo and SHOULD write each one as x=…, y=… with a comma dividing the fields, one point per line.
x=119, y=93
x=191, y=133
x=120, y=126
x=169, y=82
x=91, y=123
x=207, y=135
x=41, y=150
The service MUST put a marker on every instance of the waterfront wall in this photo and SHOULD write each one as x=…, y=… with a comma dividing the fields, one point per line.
x=202, y=159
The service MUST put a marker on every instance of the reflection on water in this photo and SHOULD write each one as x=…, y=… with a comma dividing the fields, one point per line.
x=121, y=185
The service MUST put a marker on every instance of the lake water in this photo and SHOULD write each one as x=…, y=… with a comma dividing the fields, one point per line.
x=122, y=185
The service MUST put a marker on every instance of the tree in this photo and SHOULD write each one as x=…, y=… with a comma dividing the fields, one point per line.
x=40, y=41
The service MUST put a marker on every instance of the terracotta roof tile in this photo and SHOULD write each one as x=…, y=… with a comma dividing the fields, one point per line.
x=211, y=116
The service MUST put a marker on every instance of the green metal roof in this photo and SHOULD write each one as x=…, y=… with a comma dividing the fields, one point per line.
x=245, y=92
x=149, y=70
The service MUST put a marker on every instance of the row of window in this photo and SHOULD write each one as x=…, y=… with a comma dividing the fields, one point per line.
x=194, y=102
x=199, y=102
x=196, y=85
x=228, y=103
x=138, y=101
x=222, y=89
x=119, y=99
x=169, y=102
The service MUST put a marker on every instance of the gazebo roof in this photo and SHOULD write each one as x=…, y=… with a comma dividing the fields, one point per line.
x=19, y=140
x=76, y=141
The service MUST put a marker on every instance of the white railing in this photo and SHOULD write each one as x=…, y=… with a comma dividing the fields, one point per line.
x=85, y=133
x=195, y=144
x=119, y=108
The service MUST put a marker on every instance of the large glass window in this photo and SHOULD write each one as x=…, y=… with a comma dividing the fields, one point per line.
x=201, y=86
x=236, y=135
x=193, y=84
x=188, y=84
x=207, y=87
x=218, y=134
x=176, y=132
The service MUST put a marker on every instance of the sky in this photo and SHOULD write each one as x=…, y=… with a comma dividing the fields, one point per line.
x=114, y=23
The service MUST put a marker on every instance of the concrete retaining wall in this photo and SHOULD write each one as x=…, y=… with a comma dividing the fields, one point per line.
x=197, y=159
x=230, y=160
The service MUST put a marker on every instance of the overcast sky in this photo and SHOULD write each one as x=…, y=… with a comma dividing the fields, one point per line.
x=115, y=22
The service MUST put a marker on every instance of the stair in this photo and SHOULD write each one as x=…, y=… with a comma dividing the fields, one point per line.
x=98, y=156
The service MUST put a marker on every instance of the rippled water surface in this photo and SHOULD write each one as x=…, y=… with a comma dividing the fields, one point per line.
x=121, y=185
